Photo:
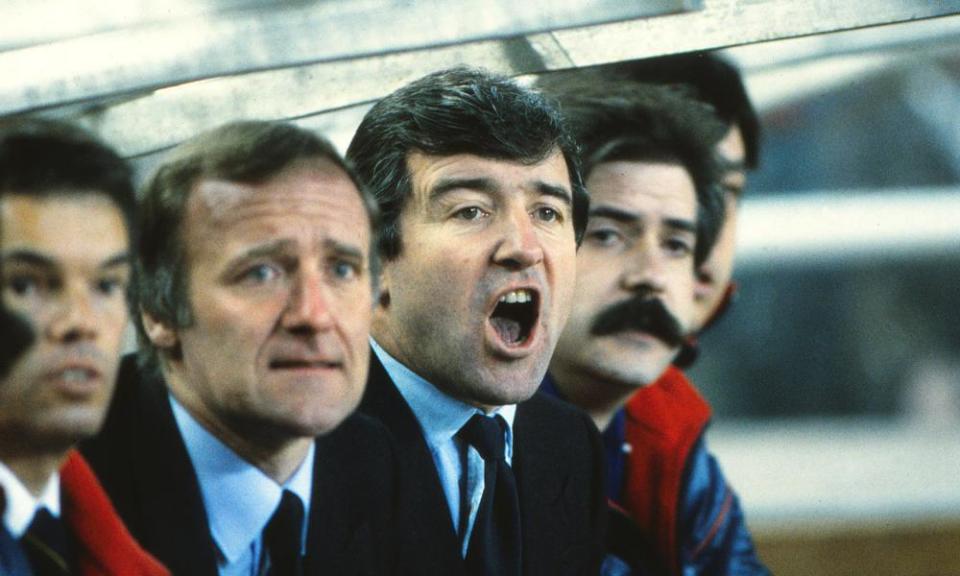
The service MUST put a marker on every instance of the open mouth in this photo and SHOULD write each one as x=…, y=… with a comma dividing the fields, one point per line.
x=515, y=315
x=77, y=380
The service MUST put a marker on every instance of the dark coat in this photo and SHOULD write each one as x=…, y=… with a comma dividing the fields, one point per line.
x=558, y=464
x=144, y=466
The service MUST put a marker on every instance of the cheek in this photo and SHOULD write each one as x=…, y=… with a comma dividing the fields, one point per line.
x=114, y=323
x=681, y=300
x=595, y=275
x=355, y=318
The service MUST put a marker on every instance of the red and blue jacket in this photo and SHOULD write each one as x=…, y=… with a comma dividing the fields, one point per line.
x=671, y=490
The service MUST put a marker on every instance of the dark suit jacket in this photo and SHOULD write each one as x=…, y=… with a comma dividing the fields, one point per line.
x=143, y=464
x=13, y=560
x=558, y=464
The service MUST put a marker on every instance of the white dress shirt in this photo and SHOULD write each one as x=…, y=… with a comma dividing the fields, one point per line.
x=440, y=418
x=238, y=497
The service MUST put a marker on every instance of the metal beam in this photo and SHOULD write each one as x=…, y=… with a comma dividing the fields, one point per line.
x=165, y=53
x=724, y=23
x=171, y=115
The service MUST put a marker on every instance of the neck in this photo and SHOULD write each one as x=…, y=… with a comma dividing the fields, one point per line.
x=277, y=454
x=34, y=471
x=600, y=398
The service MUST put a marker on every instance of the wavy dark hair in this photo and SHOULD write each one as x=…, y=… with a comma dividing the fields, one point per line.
x=457, y=111
x=643, y=122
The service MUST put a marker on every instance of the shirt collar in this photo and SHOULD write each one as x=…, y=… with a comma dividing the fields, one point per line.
x=225, y=479
x=21, y=504
x=440, y=416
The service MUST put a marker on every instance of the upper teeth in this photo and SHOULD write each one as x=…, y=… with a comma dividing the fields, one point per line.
x=517, y=297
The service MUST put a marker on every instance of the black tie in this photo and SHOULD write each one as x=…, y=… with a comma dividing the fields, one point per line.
x=46, y=545
x=494, y=548
x=282, y=536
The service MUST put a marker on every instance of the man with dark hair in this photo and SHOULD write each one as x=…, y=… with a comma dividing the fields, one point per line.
x=65, y=208
x=711, y=79
x=483, y=203
x=235, y=450
x=615, y=361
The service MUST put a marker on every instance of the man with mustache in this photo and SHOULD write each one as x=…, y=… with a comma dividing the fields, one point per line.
x=233, y=449
x=66, y=204
x=483, y=203
x=676, y=490
x=655, y=212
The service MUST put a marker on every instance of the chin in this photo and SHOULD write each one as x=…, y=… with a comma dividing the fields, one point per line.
x=507, y=390
x=323, y=420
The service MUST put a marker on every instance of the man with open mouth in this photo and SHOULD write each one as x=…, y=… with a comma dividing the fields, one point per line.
x=234, y=449
x=656, y=212
x=482, y=200
x=66, y=205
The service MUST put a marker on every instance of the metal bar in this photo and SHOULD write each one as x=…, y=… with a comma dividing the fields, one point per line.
x=238, y=41
x=724, y=23
x=169, y=116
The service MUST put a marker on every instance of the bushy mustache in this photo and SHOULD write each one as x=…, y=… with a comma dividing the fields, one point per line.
x=640, y=313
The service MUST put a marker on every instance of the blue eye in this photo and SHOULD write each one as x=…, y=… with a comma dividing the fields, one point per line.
x=344, y=270
x=261, y=274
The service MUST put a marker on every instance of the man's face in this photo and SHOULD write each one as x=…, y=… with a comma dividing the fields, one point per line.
x=280, y=292
x=65, y=270
x=634, y=295
x=482, y=286
x=713, y=276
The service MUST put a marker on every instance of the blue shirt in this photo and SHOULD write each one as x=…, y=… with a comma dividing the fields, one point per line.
x=238, y=497
x=459, y=466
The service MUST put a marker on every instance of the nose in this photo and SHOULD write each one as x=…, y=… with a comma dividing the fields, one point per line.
x=644, y=269
x=76, y=319
x=519, y=245
x=308, y=309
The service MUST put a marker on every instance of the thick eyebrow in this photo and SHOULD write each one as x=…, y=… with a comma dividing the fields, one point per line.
x=556, y=191
x=613, y=214
x=447, y=185
x=629, y=218
x=120, y=259
x=268, y=249
x=489, y=186
x=348, y=251
x=681, y=224
x=31, y=257
x=34, y=258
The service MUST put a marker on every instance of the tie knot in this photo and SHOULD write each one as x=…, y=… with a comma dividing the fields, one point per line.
x=47, y=528
x=46, y=544
x=486, y=434
x=287, y=520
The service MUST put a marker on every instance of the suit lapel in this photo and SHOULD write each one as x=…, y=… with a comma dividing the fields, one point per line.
x=174, y=525
x=429, y=536
x=338, y=535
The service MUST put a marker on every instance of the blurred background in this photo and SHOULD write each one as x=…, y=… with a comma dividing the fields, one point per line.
x=835, y=377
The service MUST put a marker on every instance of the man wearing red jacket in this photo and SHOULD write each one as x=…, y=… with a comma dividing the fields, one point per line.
x=644, y=277
x=65, y=205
